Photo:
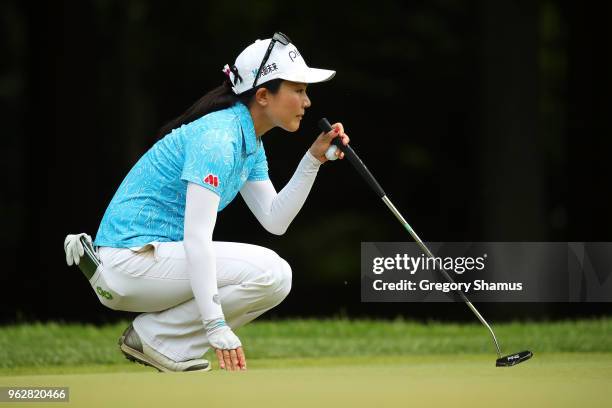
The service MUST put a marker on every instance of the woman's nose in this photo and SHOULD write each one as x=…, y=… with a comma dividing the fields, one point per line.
x=306, y=101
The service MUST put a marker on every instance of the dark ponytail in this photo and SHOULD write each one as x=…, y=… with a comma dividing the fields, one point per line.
x=219, y=98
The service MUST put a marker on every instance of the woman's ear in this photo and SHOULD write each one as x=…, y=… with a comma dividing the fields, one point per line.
x=261, y=97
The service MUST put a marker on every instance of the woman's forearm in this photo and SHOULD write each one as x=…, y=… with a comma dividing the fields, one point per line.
x=202, y=270
x=276, y=211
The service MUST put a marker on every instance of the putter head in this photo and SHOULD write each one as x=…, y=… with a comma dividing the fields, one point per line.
x=513, y=359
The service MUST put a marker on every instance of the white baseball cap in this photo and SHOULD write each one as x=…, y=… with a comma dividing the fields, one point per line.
x=285, y=62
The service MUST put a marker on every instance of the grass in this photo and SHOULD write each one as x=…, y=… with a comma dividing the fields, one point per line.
x=548, y=380
x=328, y=363
x=35, y=347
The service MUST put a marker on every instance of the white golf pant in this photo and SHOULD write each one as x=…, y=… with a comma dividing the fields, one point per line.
x=153, y=279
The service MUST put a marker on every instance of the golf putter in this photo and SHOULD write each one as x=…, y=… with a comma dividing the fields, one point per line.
x=502, y=361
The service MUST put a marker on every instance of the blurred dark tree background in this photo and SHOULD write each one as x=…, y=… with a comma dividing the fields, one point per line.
x=483, y=121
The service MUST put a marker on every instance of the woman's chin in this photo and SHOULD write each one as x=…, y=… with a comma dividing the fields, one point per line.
x=292, y=127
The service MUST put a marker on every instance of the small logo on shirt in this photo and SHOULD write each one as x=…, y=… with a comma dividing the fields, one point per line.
x=212, y=180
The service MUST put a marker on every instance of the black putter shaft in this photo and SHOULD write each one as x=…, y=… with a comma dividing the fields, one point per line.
x=350, y=154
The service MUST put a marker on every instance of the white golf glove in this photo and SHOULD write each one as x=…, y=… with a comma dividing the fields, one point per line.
x=220, y=335
x=74, y=248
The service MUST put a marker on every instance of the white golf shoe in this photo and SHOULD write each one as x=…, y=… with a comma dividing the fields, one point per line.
x=138, y=351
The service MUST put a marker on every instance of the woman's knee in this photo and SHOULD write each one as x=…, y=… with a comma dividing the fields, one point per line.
x=277, y=281
x=285, y=278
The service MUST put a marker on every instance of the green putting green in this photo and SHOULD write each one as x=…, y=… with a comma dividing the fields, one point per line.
x=321, y=363
x=549, y=379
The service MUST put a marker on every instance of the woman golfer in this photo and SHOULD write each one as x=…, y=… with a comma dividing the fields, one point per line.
x=155, y=239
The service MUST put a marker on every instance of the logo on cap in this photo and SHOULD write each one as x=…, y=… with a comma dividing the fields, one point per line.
x=293, y=54
x=266, y=70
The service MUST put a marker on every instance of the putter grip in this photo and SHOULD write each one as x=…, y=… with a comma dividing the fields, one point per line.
x=350, y=154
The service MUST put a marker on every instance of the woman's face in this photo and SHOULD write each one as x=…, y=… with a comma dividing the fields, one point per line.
x=286, y=108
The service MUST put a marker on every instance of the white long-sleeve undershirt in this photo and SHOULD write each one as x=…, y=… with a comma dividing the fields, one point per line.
x=274, y=211
x=200, y=218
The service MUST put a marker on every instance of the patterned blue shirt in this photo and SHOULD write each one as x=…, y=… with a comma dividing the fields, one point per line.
x=218, y=151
